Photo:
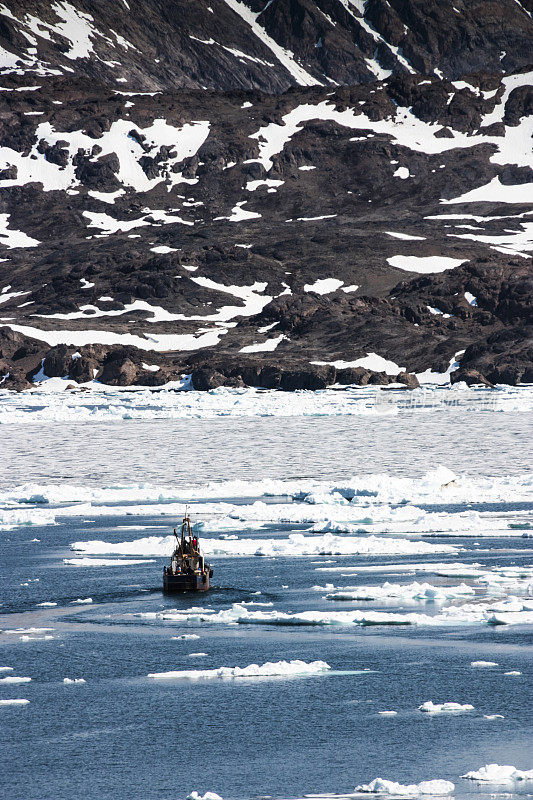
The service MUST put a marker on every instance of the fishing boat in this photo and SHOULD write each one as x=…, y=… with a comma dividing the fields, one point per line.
x=187, y=571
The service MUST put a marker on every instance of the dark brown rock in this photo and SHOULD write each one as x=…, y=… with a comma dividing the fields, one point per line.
x=470, y=376
x=353, y=375
x=408, y=379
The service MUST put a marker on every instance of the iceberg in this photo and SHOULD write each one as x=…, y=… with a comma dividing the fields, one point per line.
x=495, y=773
x=445, y=708
x=278, y=669
x=393, y=789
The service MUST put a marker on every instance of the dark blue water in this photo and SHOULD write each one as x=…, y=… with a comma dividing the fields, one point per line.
x=121, y=735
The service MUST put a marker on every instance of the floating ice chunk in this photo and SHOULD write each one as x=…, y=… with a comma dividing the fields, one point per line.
x=82, y=601
x=197, y=655
x=388, y=713
x=74, y=680
x=186, y=636
x=445, y=708
x=46, y=605
x=14, y=679
x=402, y=592
x=483, y=664
x=513, y=672
x=296, y=544
x=28, y=630
x=495, y=773
x=270, y=669
x=6, y=669
x=106, y=562
x=14, y=702
x=335, y=498
x=207, y=796
x=493, y=716
x=391, y=788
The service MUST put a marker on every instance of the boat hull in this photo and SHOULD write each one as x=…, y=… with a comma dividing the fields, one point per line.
x=177, y=584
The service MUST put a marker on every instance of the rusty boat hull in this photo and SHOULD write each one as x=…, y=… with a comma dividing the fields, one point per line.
x=181, y=583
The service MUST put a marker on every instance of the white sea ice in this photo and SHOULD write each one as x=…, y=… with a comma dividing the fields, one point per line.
x=14, y=679
x=388, y=713
x=296, y=545
x=82, y=601
x=186, y=636
x=207, y=796
x=402, y=592
x=267, y=670
x=103, y=562
x=6, y=669
x=28, y=630
x=391, y=788
x=445, y=708
x=74, y=680
x=498, y=774
x=512, y=672
x=14, y=702
x=483, y=664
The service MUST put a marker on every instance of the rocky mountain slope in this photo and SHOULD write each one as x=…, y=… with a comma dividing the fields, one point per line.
x=283, y=194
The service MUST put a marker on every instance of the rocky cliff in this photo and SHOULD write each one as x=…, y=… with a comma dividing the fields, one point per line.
x=282, y=194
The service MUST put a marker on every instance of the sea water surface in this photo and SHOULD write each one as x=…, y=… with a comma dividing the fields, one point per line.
x=121, y=734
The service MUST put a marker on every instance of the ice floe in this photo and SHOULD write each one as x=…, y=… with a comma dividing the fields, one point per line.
x=14, y=702
x=74, y=680
x=483, y=664
x=445, y=708
x=449, y=616
x=402, y=592
x=51, y=402
x=269, y=669
x=103, y=562
x=295, y=545
x=392, y=789
x=498, y=774
x=207, y=796
x=14, y=679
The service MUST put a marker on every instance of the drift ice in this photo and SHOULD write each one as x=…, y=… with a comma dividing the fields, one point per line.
x=188, y=571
